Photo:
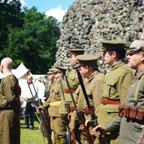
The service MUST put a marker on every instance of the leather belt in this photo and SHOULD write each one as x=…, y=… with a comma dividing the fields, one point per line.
x=73, y=108
x=87, y=111
x=6, y=109
x=131, y=112
x=109, y=101
x=67, y=91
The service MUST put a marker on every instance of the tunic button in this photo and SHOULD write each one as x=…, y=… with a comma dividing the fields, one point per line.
x=138, y=142
x=132, y=85
x=142, y=126
x=140, y=136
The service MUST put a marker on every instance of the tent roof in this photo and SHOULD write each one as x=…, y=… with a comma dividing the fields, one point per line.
x=21, y=72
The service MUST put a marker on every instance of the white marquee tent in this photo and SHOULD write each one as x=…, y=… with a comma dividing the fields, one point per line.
x=21, y=74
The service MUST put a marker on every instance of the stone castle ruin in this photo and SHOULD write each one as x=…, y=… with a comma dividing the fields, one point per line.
x=87, y=22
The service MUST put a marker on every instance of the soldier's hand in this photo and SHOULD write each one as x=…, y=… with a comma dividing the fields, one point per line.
x=39, y=108
x=87, y=122
x=26, y=99
x=82, y=125
x=69, y=115
x=71, y=130
x=99, y=130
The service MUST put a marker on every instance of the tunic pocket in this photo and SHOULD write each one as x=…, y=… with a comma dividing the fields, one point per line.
x=89, y=93
x=72, y=77
x=112, y=86
x=56, y=91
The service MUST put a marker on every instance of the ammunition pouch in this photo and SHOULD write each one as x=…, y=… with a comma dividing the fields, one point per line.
x=126, y=111
x=140, y=114
x=131, y=112
x=121, y=110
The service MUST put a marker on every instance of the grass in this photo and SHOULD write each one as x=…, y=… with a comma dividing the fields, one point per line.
x=31, y=136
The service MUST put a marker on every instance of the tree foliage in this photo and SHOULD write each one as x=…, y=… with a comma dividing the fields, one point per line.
x=10, y=16
x=33, y=44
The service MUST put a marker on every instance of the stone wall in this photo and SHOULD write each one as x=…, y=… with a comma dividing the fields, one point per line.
x=87, y=22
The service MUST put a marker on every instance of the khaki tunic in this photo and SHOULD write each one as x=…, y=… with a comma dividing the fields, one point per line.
x=94, y=92
x=115, y=87
x=79, y=99
x=46, y=104
x=74, y=124
x=94, y=89
x=74, y=82
x=58, y=121
x=131, y=130
x=9, y=119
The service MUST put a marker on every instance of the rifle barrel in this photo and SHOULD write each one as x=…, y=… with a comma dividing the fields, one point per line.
x=71, y=94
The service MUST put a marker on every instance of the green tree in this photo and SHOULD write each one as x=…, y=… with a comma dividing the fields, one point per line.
x=35, y=43
x=10, y=16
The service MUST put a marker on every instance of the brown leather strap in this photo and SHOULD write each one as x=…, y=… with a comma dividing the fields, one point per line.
x=86, y=110
x=72, y=108
x=67, y=91
x=109, y=101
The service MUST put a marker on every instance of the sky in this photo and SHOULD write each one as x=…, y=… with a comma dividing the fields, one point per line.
x=55, y=8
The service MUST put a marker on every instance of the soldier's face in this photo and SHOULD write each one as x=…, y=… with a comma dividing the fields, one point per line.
x=50, y=84
x=108, y=58
x=29, y=79
x=51, y=76
x=1, y=68
x=73, y=60
x=135, y=60
x=84, y=71
x=57, y=75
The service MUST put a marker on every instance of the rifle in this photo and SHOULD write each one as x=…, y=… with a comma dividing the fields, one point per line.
x=90, y=108
x=45, y=120
x=67, y=107
x=80, y=116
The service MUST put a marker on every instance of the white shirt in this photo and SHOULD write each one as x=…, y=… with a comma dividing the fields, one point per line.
x=25, y=91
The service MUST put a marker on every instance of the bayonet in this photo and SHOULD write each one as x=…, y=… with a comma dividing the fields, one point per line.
x=91, y=108
x=45, y=121
x=80, y=116
x=71, y=94
x=62, y=90
x=67, y=107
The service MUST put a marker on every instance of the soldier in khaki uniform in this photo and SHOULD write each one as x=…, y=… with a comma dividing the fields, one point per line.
x=131, y=121
x=51, y=75
x=9, y=105
x=74, y=124
x=58, y=121
x=72, y=78
x=94, y=84
x=116, y=84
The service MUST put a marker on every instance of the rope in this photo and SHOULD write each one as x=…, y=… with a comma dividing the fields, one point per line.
x=35, y=114
x=24, y=115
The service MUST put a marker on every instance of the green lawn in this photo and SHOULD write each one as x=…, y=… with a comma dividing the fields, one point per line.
x=31, y=136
